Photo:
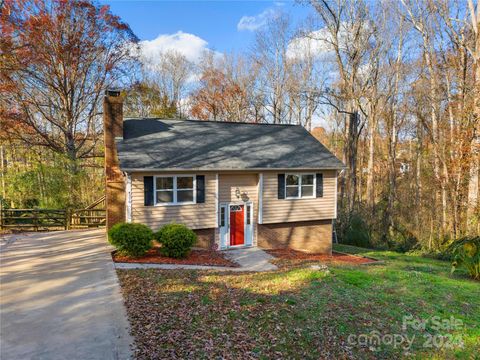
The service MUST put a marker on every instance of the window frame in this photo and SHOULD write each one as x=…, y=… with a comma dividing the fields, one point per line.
x=248, y=214
x=299, y=186
x=175, y=190
x=223, y=215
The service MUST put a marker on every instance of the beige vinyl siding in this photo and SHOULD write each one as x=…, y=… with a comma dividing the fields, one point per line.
x=246, y=183
x=195, y=216
x=228, y=184
x=288, y=210
x=202, y=216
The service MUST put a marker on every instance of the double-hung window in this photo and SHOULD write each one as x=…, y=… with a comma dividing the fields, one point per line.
x=179, y=189
x=299, y=186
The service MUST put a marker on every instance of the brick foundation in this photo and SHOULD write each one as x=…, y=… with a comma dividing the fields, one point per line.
x=310, y=236
x=205, y=239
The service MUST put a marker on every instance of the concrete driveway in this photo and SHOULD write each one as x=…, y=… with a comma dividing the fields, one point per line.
x=60, y=298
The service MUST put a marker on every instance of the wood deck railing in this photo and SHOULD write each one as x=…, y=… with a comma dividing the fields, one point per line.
x=51, y=219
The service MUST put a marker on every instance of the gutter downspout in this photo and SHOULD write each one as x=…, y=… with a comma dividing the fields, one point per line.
x=128, y=200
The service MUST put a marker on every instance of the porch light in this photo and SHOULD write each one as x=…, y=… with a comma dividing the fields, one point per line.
x=237, y=193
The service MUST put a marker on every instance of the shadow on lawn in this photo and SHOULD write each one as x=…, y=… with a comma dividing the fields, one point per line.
x=299, y=313
x=199, y=315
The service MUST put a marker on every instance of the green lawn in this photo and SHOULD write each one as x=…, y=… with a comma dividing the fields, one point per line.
x=298, y=312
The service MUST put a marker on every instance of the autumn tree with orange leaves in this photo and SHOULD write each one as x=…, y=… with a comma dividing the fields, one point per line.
x=58, y=58
x=225, y=91
x=214, y=96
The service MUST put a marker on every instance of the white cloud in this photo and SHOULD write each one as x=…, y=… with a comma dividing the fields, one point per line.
x=189, y=45
x=252, y=23
x=319, y=42
x=316, y=43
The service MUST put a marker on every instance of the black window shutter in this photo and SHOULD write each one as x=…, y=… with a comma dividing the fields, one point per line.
x=319, y=185
x=148, y=190
x=200, y=188
x=281, y=186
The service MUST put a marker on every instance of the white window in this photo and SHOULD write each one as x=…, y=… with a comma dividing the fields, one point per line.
x=222, y=216
x=178, y=189
x=299, y=186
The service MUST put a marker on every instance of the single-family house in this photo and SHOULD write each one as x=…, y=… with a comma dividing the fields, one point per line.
x=235, y=184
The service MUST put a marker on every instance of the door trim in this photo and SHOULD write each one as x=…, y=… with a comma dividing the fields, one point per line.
x=224, y=232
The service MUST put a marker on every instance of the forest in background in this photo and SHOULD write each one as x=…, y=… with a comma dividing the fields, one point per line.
x=391, y=87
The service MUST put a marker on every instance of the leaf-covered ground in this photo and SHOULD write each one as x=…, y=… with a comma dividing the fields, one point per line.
x=335, y=257
x=301, y=313
x=196, y=257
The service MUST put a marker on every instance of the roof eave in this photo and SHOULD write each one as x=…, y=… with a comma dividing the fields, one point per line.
x=233, y=169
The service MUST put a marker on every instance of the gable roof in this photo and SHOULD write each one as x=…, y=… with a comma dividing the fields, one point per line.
x=158, y=144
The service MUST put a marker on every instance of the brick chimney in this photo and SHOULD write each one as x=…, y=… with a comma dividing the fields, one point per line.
x=114, y=179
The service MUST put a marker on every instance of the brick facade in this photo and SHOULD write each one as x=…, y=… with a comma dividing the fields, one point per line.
x=205, y=239
x=114, y=179
x=310, y=236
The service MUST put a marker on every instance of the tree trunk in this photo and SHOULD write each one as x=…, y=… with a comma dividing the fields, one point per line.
x=473, y=188
x=2, y=161
x=371, y=155
x=473, y=219
x=351, y=150
x=392, y=176
x=418, y=179
x=435, y=136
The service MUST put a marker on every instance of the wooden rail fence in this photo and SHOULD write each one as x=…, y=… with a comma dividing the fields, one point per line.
x=51, y=219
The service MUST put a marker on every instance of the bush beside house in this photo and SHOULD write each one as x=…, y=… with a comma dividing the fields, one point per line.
x=176, y=239
x=357, y=233
x=131, y=239
x=466, y=253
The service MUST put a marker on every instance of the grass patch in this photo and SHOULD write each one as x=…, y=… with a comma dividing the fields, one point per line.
x=301, y=313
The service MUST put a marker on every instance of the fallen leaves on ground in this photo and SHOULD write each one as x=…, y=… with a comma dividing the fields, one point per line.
x=196, y=257
x=289, y=254
x=204, y=315
x=296, y=312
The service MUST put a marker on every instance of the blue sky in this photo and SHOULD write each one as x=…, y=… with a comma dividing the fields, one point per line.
x=191, y=27
x=215, y=22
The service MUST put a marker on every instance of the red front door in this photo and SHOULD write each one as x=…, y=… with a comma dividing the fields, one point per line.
x=237, y=225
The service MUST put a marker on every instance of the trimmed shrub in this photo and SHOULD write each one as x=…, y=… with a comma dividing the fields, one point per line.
x=176, y=239
x=466, y=253
x=131, y=239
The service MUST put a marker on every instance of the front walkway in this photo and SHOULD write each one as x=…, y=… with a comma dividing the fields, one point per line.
x=251, y=259
x=60, y=298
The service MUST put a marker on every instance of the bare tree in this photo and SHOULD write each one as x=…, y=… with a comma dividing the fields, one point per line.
x=306, y=81
x=346, y=32
x=474, y=183
x=270, y=55
x=171, y=73
x=423, y=21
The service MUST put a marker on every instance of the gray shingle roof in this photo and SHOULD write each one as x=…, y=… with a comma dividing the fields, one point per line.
x=208, y=145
